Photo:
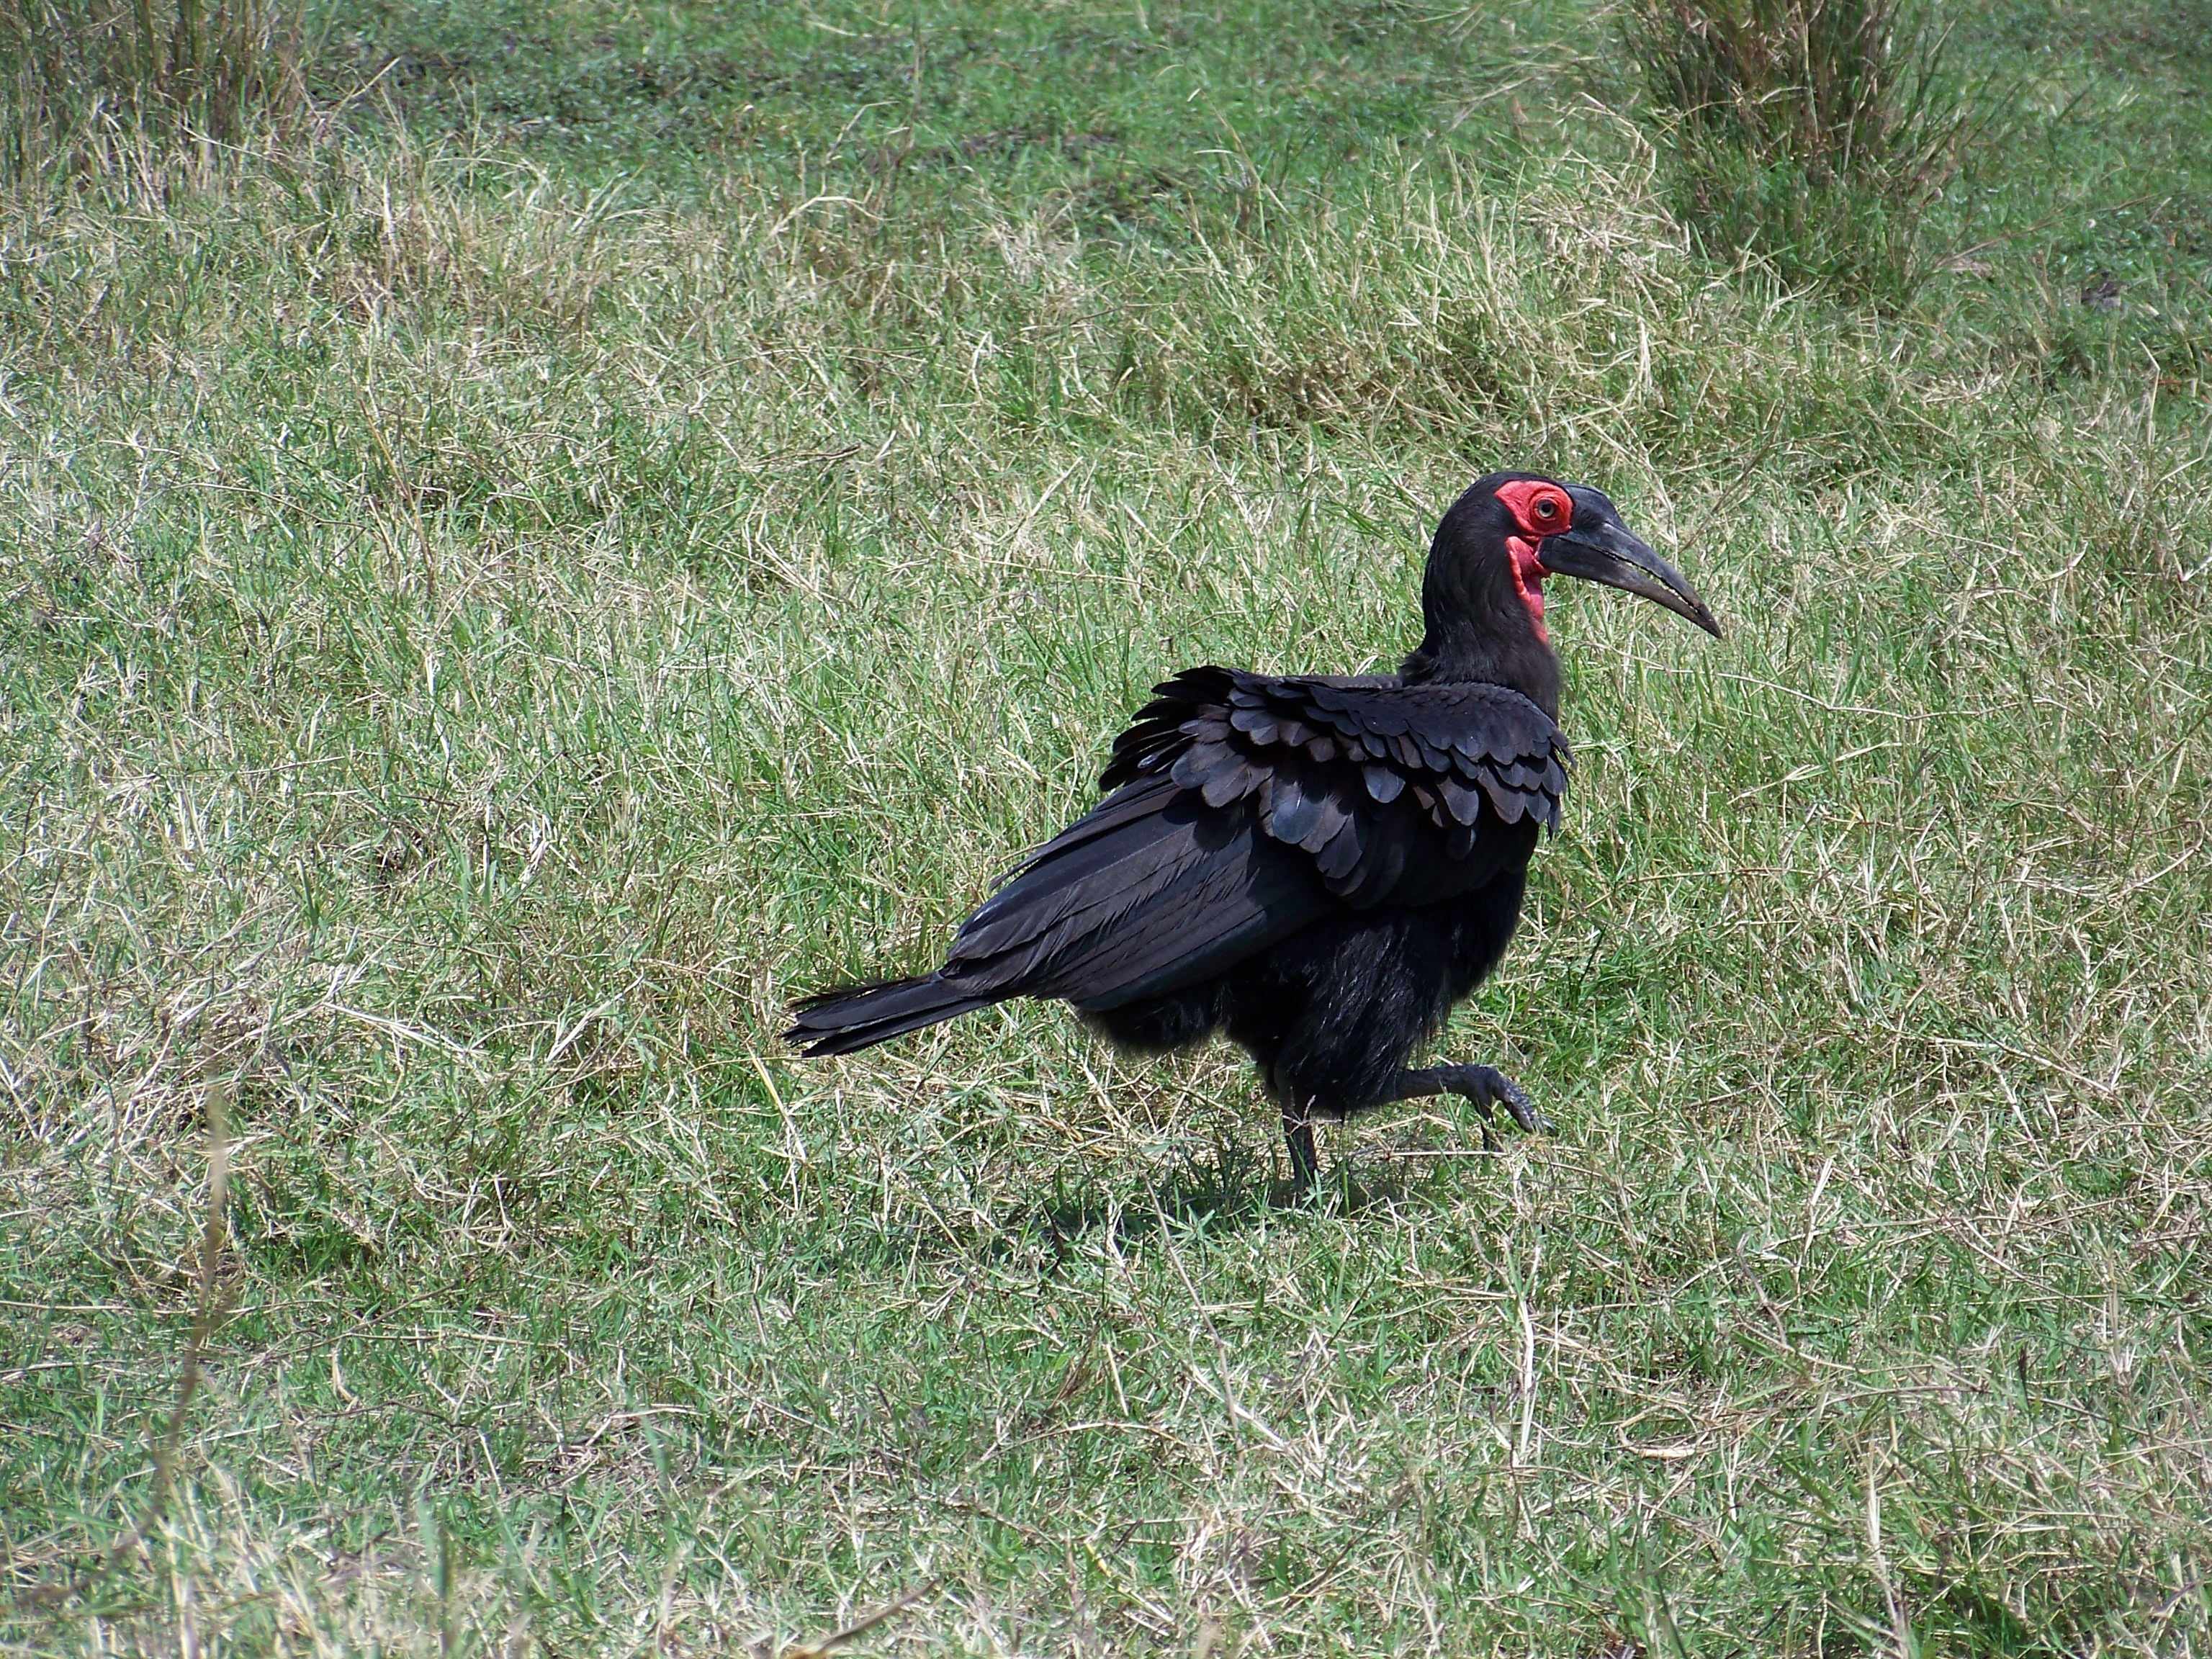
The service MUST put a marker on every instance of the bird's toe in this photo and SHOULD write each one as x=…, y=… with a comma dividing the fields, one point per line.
x=1522, y=1110
x=1534, y=1121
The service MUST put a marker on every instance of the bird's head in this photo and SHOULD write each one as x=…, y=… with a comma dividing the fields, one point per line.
x=1483, y=594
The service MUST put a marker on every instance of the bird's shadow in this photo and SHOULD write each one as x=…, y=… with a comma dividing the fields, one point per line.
x=1232, y=1191
x=1235, y=1189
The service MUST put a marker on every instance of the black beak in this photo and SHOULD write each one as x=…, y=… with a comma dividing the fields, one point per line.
x=1599, y=548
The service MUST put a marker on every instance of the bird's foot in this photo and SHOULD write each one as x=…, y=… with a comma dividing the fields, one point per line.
x=1486, y=1088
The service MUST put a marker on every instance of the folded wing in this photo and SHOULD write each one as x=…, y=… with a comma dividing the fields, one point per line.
x=1242, y=808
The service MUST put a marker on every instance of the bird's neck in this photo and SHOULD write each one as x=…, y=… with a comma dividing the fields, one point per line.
x=1486, y=634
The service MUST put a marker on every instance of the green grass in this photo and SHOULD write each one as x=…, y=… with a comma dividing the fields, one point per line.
x=645, y=513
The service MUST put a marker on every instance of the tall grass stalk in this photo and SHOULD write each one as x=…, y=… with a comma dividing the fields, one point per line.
x=1818, y=132
x=82, y=74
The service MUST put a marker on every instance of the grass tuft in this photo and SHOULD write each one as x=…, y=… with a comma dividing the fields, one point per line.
x=92, y=82
x=1819, y=132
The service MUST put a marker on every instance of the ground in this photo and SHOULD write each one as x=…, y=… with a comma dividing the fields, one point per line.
x=634, y=512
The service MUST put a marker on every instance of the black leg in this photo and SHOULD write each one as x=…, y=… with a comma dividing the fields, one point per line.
x=1482, y=1087
x=1298, y=1130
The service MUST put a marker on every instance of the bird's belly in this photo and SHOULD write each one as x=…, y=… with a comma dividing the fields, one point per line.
x=1338, y=1009
x=1483, y=924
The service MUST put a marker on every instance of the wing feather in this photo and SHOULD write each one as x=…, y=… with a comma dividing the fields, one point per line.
x=1370, y=777
x=1242, y=808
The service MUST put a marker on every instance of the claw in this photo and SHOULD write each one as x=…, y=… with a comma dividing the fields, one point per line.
x=1524, y=1111
x=1488, y=1084
x=1534, y=1121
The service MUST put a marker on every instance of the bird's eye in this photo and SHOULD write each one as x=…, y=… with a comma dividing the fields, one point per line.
x=1547, y=508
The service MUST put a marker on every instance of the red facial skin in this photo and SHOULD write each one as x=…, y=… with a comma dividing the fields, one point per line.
x=1540, y=509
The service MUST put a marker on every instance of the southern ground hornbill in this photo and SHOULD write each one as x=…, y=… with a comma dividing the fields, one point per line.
x=1318, y=865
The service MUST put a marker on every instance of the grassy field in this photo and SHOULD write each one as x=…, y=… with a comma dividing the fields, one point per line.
x=645, y=510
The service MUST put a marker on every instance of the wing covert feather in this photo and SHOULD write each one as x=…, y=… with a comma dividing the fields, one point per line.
x=1369, y=775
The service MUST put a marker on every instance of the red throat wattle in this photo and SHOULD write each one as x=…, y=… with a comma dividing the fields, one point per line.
x=1528, y=573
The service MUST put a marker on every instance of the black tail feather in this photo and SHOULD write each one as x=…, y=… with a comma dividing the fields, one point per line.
x=855, y=1016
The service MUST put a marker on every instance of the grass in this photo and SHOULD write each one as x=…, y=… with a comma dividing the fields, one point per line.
x=642, y=513
x=1819, y=132
x=87, y=78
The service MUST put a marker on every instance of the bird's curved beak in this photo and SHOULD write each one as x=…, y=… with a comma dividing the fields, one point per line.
x=1601, y=549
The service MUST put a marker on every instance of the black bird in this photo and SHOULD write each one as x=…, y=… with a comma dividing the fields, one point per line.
x=1318, y=865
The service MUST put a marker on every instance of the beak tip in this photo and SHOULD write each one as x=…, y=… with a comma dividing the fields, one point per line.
x=1611, y=553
